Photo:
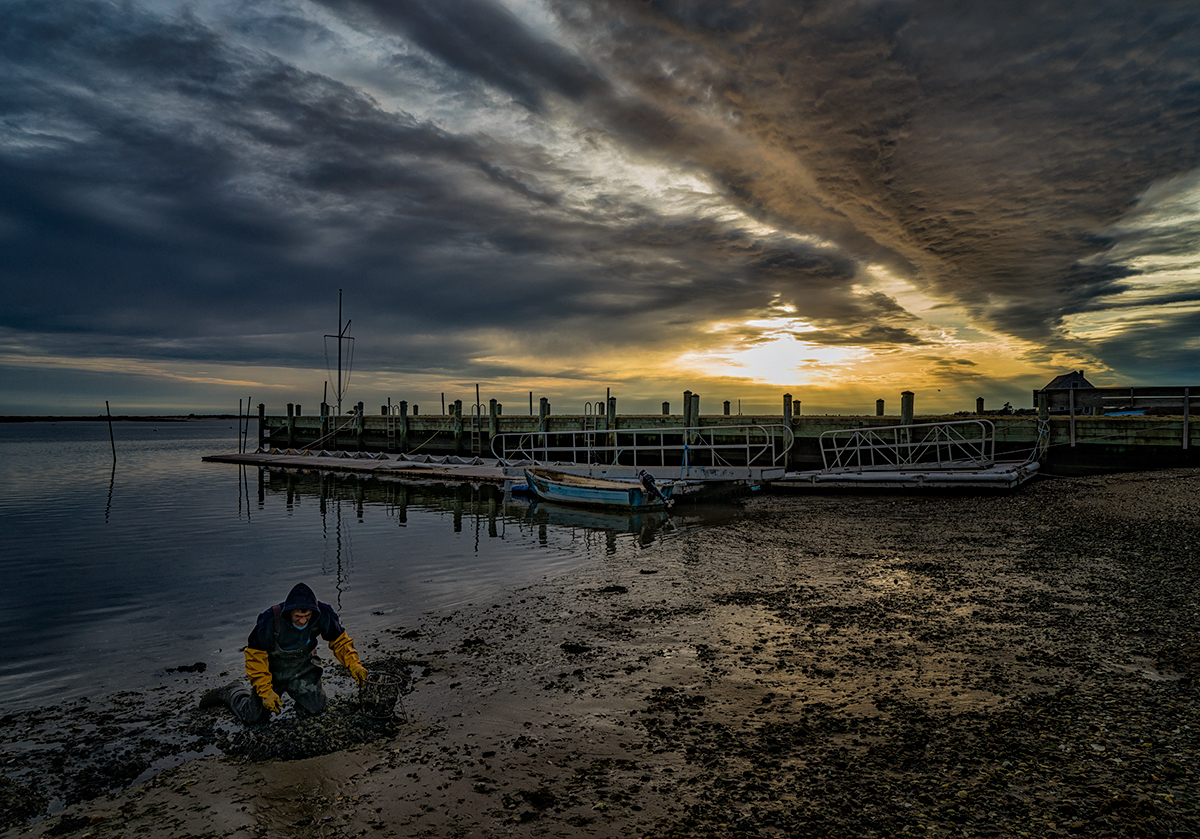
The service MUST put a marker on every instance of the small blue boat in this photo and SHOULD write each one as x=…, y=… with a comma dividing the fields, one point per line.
x=565, y=488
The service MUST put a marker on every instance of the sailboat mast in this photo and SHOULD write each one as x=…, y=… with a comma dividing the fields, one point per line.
x=339, y=334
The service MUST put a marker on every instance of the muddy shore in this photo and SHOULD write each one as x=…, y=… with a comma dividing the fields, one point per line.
x=827, y=666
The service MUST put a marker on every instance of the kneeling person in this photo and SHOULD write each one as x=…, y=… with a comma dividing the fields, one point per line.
x=280, y=658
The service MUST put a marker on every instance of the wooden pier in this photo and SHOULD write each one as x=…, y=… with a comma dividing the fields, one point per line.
x=1071, y=443
x=783, y=450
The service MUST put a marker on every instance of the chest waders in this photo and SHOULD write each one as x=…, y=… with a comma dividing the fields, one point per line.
x=296, y=672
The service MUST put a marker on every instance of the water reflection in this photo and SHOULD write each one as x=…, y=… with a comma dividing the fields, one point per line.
x=168, y=564
x=484, y=509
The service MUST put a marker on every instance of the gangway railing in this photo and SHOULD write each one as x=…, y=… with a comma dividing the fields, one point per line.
x=937, y=445
x=729, y=446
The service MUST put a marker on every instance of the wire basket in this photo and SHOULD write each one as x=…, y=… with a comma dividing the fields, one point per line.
x=379, y=697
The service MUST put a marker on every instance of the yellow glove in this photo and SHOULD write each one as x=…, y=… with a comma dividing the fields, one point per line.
x=272, y=702
x=258, y=671
x=343, y=648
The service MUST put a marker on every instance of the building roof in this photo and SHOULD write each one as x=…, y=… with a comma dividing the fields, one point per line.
x=1074, y=379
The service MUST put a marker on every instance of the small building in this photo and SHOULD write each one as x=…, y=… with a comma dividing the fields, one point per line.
x=1069, y=381
x=1074, y=379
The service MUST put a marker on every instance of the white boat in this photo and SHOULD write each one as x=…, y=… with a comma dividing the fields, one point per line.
x=565, y=488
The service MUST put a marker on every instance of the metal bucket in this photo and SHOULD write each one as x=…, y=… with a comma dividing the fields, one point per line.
x=379, y=696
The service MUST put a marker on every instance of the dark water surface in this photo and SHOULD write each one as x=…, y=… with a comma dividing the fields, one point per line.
x=115, y=577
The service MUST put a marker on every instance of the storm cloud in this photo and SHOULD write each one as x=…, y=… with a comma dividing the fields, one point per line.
x=194, y=182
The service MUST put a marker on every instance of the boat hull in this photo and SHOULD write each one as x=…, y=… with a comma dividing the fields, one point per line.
x=563, y=488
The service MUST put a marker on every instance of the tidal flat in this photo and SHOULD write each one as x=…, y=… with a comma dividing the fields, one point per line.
x=849, y=665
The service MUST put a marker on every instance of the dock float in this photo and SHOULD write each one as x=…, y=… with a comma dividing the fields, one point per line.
x=1000, y=476
x=476, y=470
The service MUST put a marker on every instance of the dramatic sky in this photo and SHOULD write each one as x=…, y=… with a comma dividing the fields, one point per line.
x=842, y=200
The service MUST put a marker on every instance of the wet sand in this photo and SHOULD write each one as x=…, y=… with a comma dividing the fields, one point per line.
x=835, y=665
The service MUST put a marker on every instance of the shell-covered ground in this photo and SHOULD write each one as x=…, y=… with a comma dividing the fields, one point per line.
x=852, y=665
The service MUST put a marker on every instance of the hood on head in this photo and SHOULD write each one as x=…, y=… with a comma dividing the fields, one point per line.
x=301, y=597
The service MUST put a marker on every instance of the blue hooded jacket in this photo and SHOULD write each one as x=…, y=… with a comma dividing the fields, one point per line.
x=324, y=623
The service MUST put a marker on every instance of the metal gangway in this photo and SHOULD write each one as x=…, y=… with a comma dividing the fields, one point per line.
x=727, y=452
x=967, y=444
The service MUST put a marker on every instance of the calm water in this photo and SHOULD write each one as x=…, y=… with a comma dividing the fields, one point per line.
x=112, y=576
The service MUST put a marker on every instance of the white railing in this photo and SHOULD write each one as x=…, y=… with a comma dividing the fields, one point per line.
x=739, y=446
x=938, y=445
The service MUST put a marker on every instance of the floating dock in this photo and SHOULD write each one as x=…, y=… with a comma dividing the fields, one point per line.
x=1000, y=476
x=701, y=482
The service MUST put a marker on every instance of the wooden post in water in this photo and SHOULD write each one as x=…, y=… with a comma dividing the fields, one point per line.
x=456, y=408
x=543, y=412
x=666, y=409
x=687, y=409
x=1071, y=395
x=324, y=424
x=113, y=440
x=906, y=407
x=1187, y=412
x=262, y=424
x=359, y=429
x=787, y=409
x=291, y=425
x=246, y=429
x=403, y=441
x=906, y=420
x=795, y=408
x=493, y=421
x=979, y=405
x=878, y=407
x=727, y=406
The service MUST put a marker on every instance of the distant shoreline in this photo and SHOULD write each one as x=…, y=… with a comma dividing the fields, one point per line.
x=124, y=418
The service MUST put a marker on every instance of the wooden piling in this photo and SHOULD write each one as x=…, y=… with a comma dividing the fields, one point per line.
x=403, y=441
x=1187, y=413
x=787, y=409
x=879, y=407
x=906, y=407
x=666, y=411
x=360, y=428
x=113, y=440
x=262, y=423
x=979, y=405
x=456, y=408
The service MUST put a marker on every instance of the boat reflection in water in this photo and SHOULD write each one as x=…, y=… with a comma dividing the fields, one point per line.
x=484, y=508
x=645, y=526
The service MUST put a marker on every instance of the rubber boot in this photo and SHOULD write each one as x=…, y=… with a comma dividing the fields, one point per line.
x=218, y=697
